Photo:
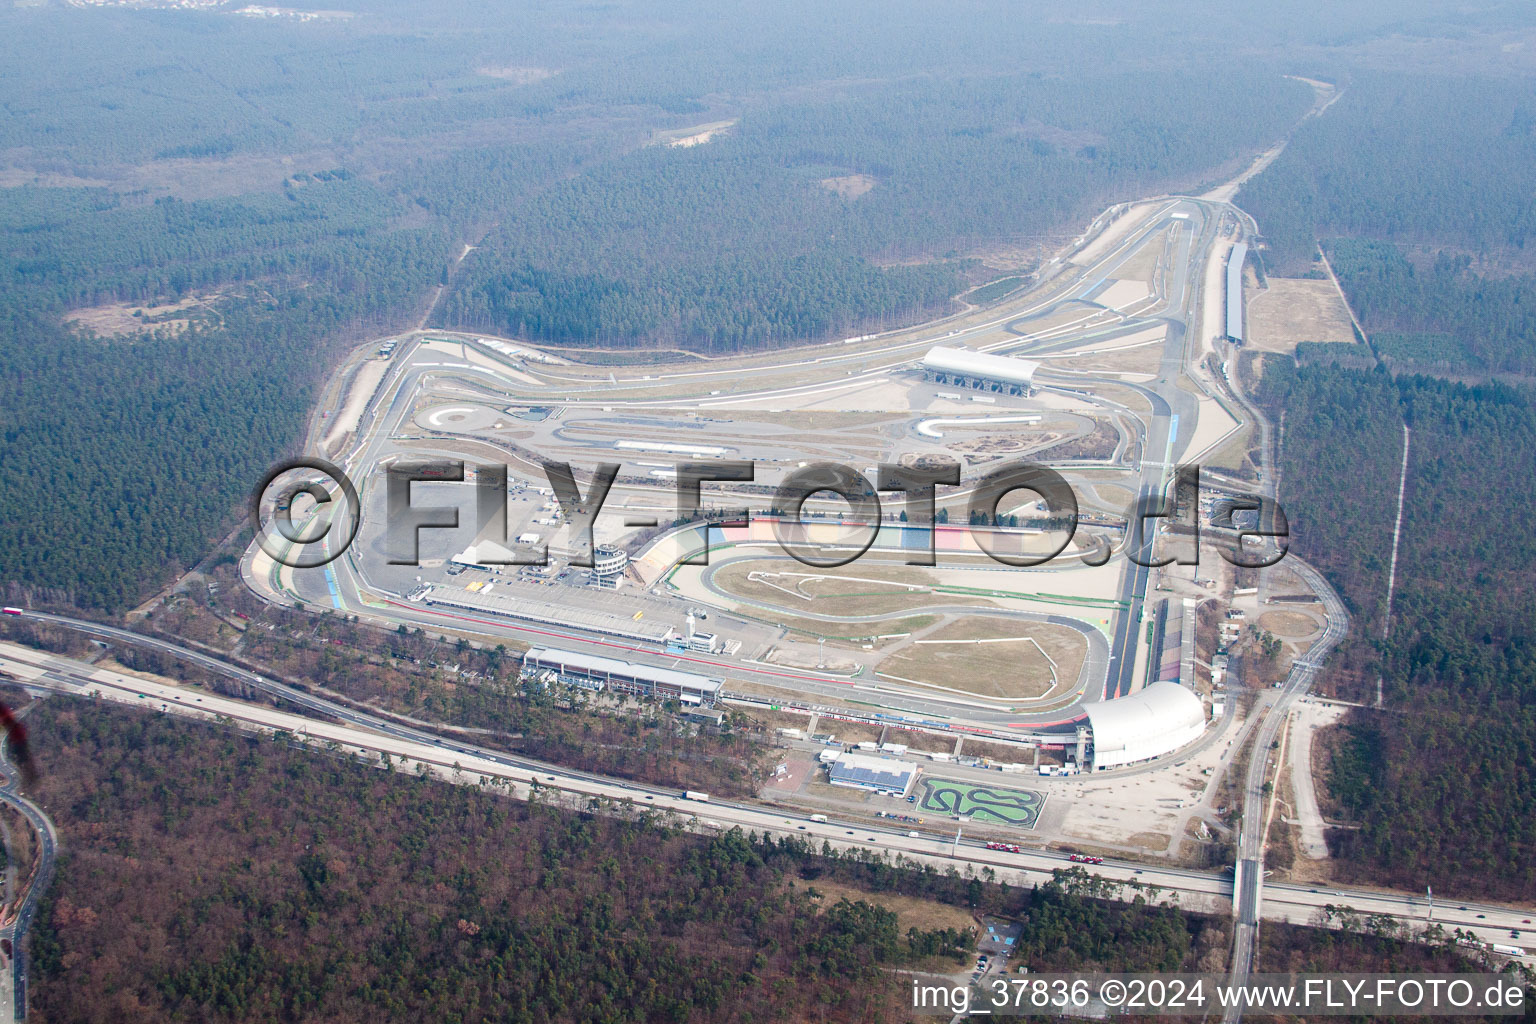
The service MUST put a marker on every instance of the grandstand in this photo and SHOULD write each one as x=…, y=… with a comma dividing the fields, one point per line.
x=593, y=672
x=961, y=367
x=1235, y=261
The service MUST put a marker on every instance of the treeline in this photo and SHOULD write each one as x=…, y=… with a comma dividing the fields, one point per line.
x=1438, y=316
x=218, y=877
x=1418, y=187
x=739, y=242
x=80, y=247
x=1339, y=426
x=1440, y=161
x=206, y=86
x=1440, y=781
x=411, y=673
x=1443, y=797
x=1072, y=921
x=214, y=876
x=188, y=86
x=123, y=458
x=1364, y=944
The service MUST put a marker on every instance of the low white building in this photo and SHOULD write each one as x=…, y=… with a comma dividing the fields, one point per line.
x=876, y=774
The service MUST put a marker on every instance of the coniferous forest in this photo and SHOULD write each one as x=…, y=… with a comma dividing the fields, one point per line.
x=198, y=218
x=219, y=877
x=1417, y=191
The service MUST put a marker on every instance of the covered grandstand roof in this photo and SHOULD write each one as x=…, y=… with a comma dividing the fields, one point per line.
x=1235, y=261
x=1153, y=721
x=967, y=363
x=600, y=667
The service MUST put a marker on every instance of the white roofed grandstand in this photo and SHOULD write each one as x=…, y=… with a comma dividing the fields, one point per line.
x=963, y=367
x=1235, y=261
x=598, y=673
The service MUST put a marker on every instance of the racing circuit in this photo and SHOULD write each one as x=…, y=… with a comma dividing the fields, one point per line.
x=1102, y=370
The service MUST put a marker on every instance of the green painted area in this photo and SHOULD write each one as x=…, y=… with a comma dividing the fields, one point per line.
x=1018, y=807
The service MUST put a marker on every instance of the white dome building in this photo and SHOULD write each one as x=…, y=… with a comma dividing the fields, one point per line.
x=1151, y=722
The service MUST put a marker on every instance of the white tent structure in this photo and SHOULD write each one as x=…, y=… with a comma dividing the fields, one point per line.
x=1151, y=722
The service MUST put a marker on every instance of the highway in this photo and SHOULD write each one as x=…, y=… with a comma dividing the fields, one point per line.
x=1250, y=886
x=370, y=735
x=13, y=980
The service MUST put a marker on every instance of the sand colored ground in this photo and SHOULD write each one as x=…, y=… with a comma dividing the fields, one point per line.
x=519, y=74
x=878, y=635
x=363, y=384
x=1111, y=495
x=117, y=318
x=848, y=590
x=1282, y=581
x=1144, y=809
x=812, y=658
x=1008, y=587
x=1233, y=452
x=696, y=136
x=1213, y=427
x=1142, y=265
x=1289, y=624
x=849, y=186
x=1137, y=363
x=1124, y=293
x=1308, y=718
x=1293, y=310
x=1010, y=667
x=1039, y=592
